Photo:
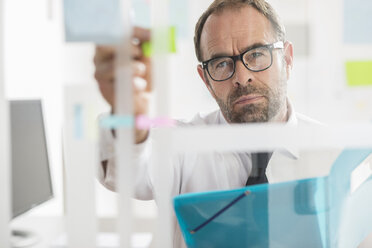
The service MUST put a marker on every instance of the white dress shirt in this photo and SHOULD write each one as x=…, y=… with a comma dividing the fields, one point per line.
x=197, y=172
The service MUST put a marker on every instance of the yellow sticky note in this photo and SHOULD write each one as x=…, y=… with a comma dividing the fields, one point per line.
x=359, y=73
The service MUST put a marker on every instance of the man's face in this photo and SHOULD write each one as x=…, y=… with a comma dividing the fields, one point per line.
x=247, y=96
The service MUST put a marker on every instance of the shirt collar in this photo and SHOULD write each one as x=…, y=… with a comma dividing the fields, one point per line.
x=292, y=121
x=291, y=152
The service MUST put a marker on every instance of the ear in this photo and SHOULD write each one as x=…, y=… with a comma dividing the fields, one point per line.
x=203, y=76
x=288, y=57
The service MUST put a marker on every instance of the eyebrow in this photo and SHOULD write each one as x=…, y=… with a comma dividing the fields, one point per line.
x=254, y=45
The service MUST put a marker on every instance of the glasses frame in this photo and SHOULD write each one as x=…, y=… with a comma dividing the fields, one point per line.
x=271, y=47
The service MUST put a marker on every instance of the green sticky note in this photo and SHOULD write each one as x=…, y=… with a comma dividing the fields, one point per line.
x=146, y=49
x=170, y=39
x=359, y=73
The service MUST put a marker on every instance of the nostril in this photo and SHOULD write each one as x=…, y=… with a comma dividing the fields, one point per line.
x=250, y=80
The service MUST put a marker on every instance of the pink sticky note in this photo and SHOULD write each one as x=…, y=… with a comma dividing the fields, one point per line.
x=144, y=122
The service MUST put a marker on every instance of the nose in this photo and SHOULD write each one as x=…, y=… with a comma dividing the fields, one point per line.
x=242, y=75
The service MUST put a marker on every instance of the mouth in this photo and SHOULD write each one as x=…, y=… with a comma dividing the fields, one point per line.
x=248, y=99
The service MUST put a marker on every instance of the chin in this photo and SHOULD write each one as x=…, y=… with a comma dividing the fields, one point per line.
x=250, y=114
x=250, y=118
x=256, y=119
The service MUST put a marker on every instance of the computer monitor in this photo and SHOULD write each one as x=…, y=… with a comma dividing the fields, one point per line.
x=31, y=181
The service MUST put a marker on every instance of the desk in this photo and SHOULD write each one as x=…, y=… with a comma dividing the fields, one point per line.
x=52, y=228
x=48, y=228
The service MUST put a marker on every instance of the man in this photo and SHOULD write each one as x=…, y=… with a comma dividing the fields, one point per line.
x=245, y=64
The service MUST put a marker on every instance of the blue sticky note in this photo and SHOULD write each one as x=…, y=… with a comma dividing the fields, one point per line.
x=97, y=21
x=357, y=21
x=112, y=122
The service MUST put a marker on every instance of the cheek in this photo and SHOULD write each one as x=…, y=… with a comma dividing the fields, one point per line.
x=221, y=90
x=272, y=75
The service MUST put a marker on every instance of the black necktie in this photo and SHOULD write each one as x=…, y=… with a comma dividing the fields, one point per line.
x=259, y=164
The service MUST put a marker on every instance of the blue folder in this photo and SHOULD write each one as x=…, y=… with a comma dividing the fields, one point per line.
x=315, y=212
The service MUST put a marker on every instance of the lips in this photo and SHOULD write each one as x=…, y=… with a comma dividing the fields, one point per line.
x=247, y=99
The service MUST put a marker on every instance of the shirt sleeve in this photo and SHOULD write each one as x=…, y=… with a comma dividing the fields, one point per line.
x=106, y=167
x=143, y=166
x=143, y=189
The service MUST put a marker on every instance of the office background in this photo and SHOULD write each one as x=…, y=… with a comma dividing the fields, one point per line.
x=39, y=64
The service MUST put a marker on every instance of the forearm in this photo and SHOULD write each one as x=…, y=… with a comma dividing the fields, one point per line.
x=141, y=162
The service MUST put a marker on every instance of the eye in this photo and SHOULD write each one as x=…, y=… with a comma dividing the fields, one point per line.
x=222, y=64
x=256, y=55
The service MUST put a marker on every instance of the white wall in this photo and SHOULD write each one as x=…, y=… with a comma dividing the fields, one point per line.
x=33, y=45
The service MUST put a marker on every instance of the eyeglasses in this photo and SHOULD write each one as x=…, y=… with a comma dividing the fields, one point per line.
x=255, y=59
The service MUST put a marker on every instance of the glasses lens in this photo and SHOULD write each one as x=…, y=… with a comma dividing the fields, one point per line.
x=257, y=59
x=221, y=68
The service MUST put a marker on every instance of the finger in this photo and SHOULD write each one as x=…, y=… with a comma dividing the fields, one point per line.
x=141, y=103
x=142, y=68
x=139, y=69
x=142, y=34
x=104, y=53
x=139, y=85
x=148, y=75
x=136, y=51
x=139, y=76
x=105, y=71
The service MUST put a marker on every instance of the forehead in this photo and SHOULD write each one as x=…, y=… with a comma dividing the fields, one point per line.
x=233, y=30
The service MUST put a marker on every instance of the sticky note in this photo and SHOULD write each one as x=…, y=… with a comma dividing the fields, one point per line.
x=357, y=21
x=112, y=122
x=359, y=73
x=144, y=122
x=146, y=49
x=141, y=122
x=170, y=39
x=97, y=21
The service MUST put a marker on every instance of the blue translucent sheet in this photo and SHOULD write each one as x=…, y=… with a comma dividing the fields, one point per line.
x=316, y=212
x=96, y=21
x=357, y=19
